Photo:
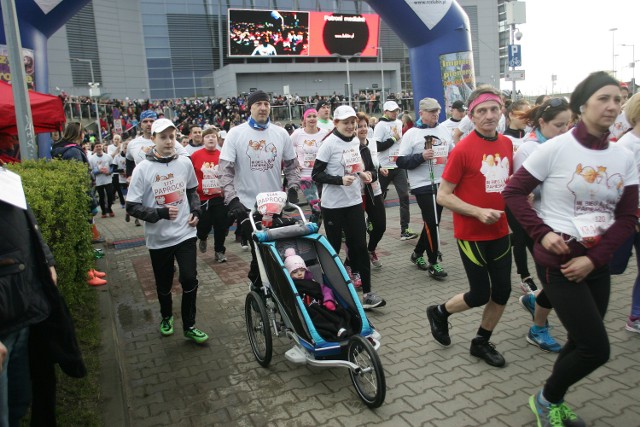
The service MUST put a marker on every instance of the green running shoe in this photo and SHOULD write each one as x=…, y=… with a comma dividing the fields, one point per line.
x=166, y=326
x=196, y=335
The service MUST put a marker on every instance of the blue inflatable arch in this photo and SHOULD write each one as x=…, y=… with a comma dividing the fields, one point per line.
x=439, y=41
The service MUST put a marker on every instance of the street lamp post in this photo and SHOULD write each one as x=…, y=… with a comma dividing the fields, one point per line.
x=381, y=73
x=633, y=66
x=613, y=50
x=347, y=58
x=93, y=86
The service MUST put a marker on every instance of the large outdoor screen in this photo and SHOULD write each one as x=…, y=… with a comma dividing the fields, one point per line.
x=287, y=33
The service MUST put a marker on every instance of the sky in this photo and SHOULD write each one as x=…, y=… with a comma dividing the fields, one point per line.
x=571, y=38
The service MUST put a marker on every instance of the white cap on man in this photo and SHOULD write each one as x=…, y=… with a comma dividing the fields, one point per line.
x=390, y=106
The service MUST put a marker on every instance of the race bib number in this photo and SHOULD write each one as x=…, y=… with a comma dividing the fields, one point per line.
x=211, y=186
x=591, y=226
x=169, y=191
x=309, y=160
x=352, y=161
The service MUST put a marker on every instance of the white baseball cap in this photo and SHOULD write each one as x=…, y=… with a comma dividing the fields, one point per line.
x=160, y=125
x=390, y=106
x=344, y=112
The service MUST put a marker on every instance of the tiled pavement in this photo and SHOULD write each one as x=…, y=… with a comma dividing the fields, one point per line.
x=149, y=380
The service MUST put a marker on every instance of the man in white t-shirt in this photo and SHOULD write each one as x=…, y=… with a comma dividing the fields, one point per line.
x=387, y=135
x=323, y=107
x=264, y=49
x=458, y=111
x=100, y=163
x=251, y=162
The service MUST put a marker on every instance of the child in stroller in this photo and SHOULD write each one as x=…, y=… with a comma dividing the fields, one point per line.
x=329, y=318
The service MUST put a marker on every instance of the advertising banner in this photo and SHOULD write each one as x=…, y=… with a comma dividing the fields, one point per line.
x=458, y=78
x=29, y=66
x=290, y=33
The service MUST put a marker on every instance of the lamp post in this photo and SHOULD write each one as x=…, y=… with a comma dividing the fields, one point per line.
x=347, y=58
x=381, y=72
x=633, y=66
x=613, y=50
x=93, y=87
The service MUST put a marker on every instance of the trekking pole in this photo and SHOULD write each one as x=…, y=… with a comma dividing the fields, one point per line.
x=428, y=144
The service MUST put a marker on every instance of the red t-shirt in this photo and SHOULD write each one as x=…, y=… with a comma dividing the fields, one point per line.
x=205, y=164
x=480, y=170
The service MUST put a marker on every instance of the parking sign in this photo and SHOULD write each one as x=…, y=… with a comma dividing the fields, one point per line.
x=515, y=55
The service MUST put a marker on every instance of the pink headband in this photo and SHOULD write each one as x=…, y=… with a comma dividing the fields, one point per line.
x=309, y=111
x=484, y=98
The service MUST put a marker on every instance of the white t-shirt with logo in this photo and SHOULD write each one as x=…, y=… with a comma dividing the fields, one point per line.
x=138, y=149
x=101, y=162
x=413, y=142
x=258, y=156
x=121, y=164
x=342, y=158
x=581, y=187
x=382, y=132
x=156, y=185
x=306, y=146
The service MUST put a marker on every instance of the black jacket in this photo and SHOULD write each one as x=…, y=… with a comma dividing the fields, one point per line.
x=24, y=270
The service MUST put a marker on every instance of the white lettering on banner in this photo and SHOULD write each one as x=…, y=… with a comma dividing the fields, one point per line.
x=168, y=190
x=430, y=12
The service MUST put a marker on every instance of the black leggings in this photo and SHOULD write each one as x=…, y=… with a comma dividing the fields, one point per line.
x=214, y=214
x=351, y=221
x=581, y=308
x=105, y=194
x=162, y=261
x=377, y=214
x=520, y=242
x=488, y=268
x=429, y=240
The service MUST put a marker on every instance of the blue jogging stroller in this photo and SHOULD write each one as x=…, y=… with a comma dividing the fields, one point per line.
x=278, y=305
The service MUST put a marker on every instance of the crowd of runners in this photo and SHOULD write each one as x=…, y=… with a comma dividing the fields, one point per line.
x=558, y=178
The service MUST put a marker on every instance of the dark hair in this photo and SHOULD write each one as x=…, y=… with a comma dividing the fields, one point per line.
x=540, y=99
x=209, y=131
x=547, y=111
x=72, y=132
x=192, y=127
x=589, y=86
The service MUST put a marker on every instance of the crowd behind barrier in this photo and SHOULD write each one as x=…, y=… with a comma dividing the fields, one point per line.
x=123, y=116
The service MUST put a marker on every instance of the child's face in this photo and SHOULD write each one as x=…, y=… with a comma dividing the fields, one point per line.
x=165, y=141
x=298, y=273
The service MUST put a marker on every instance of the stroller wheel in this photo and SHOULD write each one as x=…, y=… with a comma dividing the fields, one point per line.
x=258, y=329
x=368, y=379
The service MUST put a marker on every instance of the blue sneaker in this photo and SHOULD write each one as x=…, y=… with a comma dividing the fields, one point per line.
x=528, y=302
x=540, y=337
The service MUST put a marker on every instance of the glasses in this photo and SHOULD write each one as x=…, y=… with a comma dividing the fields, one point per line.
x=554, y=103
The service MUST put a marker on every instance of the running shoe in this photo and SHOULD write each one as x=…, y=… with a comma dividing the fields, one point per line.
x=127, y=218
x=245, y=245
x=202, y=245
x=138, y=222
x=407, y=234
x=554, y=415
x=196, y=335
x=540, y=336
x=633, y=326
x=111, y=214
x=528, y=286
x=486, y=351
x=439, y=326
x=528, y=302
x=220, y=257
x=357, y=280
x=372, y=300
x=166, y=326
x=436, y=271
x=419, y=261
x=375, y=261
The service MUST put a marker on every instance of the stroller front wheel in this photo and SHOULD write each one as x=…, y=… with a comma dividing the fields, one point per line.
x=368, y=379
x=258, y=329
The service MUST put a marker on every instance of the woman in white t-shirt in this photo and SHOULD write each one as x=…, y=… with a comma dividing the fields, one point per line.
x=588, y=204
x=340, y=169
x=631, y=141
x=306, y=141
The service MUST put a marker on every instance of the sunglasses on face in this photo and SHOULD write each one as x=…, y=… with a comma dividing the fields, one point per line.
x=554, y=103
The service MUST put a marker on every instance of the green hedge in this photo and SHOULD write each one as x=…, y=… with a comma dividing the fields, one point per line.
x=57, y=194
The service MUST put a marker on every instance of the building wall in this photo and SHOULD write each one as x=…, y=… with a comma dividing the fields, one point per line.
x=174, y=48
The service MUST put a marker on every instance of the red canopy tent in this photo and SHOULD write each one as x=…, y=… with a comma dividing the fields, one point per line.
x=47, y=111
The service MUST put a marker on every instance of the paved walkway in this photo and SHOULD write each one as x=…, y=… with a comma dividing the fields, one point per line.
x=149, y=380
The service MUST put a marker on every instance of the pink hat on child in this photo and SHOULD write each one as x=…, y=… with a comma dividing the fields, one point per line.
x=293, y=261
